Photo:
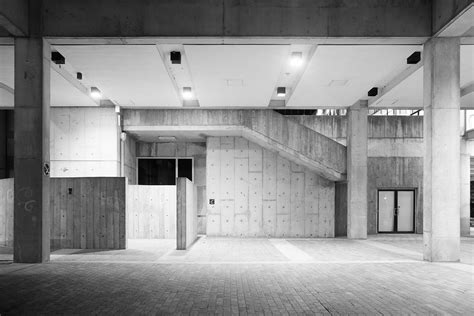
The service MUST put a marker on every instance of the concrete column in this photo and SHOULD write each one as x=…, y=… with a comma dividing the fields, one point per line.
x=357, y=171
x=31, y=210
x=441, y=165
x=465, y=189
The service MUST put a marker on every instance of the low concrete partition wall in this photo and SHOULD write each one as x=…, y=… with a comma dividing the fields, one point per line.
x=151, y=211
x=6, y=212
x=88, y=213
x=186, y=214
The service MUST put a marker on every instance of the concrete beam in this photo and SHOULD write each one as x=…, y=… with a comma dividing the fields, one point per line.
x=467, y=89
x=395, y=81
x=220, y=18
x=14, y=17
x=448, y=17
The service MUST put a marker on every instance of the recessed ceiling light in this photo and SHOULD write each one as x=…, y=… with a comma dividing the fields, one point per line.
x=95, y=93
x=373, y=92
x=281, y=91
x=338, y=83
x=167, y=138
x=296, y=59
x=187, y=93
x=57, y=58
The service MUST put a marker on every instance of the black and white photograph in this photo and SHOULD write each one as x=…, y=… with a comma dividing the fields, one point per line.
x=237, y=157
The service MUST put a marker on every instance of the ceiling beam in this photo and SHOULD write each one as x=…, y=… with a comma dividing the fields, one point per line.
x=467, y=89
x=395, y=81
x=14, y=17
x=7, y=88
x=73, y=81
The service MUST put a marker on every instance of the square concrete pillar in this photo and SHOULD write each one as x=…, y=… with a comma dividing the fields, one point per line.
x=31, y=210
x=441, y=165
x=357, y=171
x=465, y=189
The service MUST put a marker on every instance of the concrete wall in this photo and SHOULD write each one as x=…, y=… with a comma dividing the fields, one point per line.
x=130, y=159
x=84, y=142
x=186, y=213
x=395, y=150
x=182, y=149
x=275, y=18
x=6, y=212
x=257, y=192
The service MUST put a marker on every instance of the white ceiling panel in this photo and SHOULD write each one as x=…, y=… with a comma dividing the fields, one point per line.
x=130, y=75
x=235, y=75
x=7, y=64
x=359, y=67
x=64, y=93
x=409, y=93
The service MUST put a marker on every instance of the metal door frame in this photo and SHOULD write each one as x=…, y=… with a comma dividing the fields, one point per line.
x=395, y=222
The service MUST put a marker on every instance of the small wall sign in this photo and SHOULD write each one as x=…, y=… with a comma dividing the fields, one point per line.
x=212, y=202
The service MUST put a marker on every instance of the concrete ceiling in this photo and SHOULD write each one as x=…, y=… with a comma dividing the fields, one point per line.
x=409, y=93
x=338, y=76
x=140, y=76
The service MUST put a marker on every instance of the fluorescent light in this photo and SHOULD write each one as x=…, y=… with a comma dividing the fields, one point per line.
x=187, y=93
x=296, y=59
x=95, y=93
x=281, y=91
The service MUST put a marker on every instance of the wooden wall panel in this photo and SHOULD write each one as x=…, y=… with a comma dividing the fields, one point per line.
x=6, y=212
x=88, y=213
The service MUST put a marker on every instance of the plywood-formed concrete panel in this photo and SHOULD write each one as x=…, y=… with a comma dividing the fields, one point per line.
x=255, y=204
x=241, y=185
x=227, y=173
x=311, y=225
x=269, y=218
x=213, y=174
x=213, y=226
x=241, y=225
x=326, y=208
x=282, y=225
x=241, y=147
x=255, y=158
x=227, y=218
x=269, y=175
x=297, y=204
x=283, y=186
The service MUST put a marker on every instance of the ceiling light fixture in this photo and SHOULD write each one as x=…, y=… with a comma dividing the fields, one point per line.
x=79, y=75
x=175, y=57
x=373, y=92
x=296, y=59
x=57, y=58
x=281, y=91
x=414, y=58
x=187, y=93
x=95, y=93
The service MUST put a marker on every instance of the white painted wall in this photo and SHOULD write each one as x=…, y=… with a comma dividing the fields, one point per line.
x=84, y=142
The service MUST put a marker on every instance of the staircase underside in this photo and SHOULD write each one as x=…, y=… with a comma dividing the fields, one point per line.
x=266, y=128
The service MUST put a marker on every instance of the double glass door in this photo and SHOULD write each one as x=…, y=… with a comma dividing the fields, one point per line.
x=396, y=211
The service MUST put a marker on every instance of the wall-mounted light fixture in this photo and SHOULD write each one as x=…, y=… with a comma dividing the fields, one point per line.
x=281, y=91
x=187, y=93
x=95, y=93
x=296, y=59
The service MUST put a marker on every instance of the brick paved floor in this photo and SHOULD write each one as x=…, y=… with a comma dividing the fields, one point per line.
x=383, y=275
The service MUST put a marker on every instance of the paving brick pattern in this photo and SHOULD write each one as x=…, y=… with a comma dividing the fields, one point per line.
x=355, y=278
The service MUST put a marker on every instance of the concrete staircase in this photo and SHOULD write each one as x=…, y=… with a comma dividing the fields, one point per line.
x=266, y=128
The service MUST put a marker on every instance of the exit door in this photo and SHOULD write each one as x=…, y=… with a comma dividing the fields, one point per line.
x=396, y=211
